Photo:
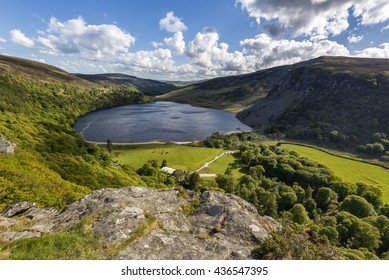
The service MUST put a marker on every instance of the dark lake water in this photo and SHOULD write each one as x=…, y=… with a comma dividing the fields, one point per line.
x=159, y=121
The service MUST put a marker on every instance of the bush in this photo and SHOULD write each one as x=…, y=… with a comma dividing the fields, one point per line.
x=357, y=206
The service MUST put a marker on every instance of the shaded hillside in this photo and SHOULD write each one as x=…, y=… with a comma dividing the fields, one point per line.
x=329, y=99
x=233, y=93
x=148, y=87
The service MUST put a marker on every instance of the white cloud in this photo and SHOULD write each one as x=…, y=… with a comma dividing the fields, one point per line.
x=34, y=57
x=200, y=49
x=317, y=18
x=2, y=40
x=353, y=39
x=264, y=52
x=172, y=23
x=212, y=58
x=385, y=28
x=371, y=11
x=156, y=44
x=382, y=51
x=76, y=36
x=159, y=59
x=18, y=37
x=176, y=43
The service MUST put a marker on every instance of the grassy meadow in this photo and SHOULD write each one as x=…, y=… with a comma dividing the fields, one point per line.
x=349, y=170
x=178, y=156
x=227, y=161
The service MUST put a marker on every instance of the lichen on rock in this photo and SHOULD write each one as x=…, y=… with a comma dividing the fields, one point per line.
x=151, y=224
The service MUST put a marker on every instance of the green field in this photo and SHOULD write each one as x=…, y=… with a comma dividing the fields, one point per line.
x=219, y=166
x=349, y=170
x=178, y=156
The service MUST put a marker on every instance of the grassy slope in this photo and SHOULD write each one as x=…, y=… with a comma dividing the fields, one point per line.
x=179, y=157
x=348, y=170
x=52, y=165
x=233, y=93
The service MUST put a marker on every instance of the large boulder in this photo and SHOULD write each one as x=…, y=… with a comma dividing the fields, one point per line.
x=158, y=223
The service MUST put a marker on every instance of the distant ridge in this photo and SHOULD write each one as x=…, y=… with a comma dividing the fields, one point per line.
x=38, y=70
x=147, y=86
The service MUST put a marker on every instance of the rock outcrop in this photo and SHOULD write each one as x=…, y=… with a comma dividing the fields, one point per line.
x=6, y=146
x=152, y=223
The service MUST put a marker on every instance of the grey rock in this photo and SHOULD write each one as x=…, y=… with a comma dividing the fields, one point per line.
x=12, y=236
x=16, y=209
x=6, y=147
x=152, y=224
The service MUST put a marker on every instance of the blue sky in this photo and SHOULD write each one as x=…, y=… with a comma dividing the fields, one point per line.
x=186, y=40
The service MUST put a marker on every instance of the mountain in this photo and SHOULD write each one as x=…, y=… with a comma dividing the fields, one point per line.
x=233, y=93
x=39, y=71
x=329, y=99
x=148, y=87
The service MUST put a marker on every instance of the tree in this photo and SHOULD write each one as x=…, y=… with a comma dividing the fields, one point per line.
x=109, y=145
x=293, y=244
x=179, y=175
x=343, y=189
x=357, y=206
x=193, y=181
x=382, y=224
x=270, y=206
x=226, y=182
x=356, y=233
x=310, y=206
x=299, y=214
x=385, y=210
x=326, y=198
x=147, y=170
x=287, y=200
x=257, y=172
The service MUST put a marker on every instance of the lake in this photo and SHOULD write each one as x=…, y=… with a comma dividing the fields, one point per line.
x=156, y=122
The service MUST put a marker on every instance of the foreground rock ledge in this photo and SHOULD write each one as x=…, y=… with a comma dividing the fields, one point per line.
x=175, y=225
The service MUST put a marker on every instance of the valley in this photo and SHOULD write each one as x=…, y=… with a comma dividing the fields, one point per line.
x=336, y=207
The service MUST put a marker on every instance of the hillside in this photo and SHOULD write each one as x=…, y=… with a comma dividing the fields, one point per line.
x=40, y=71
x=52, y=165
x=336, y=100
x=148, y=87
x=233, y=93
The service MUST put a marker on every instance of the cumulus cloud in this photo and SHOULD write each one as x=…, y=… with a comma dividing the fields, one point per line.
x=263, y=51
x=159, y=59
x=2, y=40
x=275, y=29
x=317, y=18
x=18, y=37
x=171, y=23
x=176, y=43
x=382, y=51
x=353, y=39
x=76, y=36
x=211, y=58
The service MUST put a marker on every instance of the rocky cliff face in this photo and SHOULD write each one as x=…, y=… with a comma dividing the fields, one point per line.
x=152, y=223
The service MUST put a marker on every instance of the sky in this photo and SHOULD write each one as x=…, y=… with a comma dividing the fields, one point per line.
x=190, y=39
